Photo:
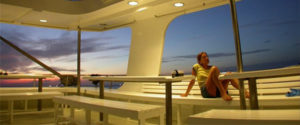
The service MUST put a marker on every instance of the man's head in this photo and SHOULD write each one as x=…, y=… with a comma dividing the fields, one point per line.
x=202, y=58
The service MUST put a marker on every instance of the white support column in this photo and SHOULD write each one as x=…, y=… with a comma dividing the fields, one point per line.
x=142, y=121
x=72, y=115
x=56, y=113
x=88, y=117
x=11, y=110
x=178, y=114
x=105, y=120
x=128, y=118
x=147, y=46
x=146, y=49
x=162, y=119
x=25, y=105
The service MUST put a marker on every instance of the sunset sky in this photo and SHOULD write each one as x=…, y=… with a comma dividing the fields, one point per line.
x=269, y=31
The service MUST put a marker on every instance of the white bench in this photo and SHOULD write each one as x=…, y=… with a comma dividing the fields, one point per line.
x=246, y=117
x=253, y=76
x=141, y=112
x=166, y=80
x=271, y=93
x=11, y=97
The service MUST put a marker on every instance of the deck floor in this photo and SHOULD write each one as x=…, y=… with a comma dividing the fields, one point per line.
x=48, y=119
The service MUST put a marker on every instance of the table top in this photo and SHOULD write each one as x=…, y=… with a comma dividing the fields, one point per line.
x=279, y=72
x=162, y=79
x=28, y=95
x=24, y=76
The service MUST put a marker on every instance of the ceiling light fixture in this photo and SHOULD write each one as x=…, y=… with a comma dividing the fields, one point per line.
x=43, y=21
x=178, y=4
x=73, y=0
x=141, y=9
x=133, y=3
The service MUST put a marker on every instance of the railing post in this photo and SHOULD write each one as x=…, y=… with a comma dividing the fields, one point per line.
x=101, y=96
x=78, y=60
x=253, y=94
x=40, y=89
x=236, y=36
x=242, y=94
x=168, y=103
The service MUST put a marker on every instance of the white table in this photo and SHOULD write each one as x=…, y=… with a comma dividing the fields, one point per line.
x=11, y=97
x=161, y=79
x=29, y=76
x=253, y=75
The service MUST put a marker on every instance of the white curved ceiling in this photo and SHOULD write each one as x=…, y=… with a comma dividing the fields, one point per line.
x=95, y=15
x=62, y=6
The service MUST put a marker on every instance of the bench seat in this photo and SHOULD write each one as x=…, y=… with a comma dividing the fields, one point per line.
x=246, y=117
x=265, y=101
x=137, y=111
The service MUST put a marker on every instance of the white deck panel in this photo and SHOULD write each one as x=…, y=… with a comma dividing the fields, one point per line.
x=257, y=117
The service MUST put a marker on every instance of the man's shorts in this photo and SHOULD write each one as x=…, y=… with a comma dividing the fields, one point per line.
x=205, y=93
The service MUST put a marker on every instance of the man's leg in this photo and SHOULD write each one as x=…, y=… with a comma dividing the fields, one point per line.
x=213, y=82
x=235, y=84
x=225, y=83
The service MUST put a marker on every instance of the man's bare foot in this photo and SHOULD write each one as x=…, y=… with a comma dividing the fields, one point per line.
x=183, y=95
x=227, y=73
x=226, y=97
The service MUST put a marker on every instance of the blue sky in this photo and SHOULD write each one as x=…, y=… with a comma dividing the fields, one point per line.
x=269, y=31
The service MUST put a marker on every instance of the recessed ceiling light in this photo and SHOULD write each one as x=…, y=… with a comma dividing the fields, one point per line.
x=178, y=4
x=43, y=21
x=73, y=0
x=133, y=3
x=141, y=9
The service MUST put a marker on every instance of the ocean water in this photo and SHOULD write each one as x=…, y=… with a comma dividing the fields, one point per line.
x=54, y=83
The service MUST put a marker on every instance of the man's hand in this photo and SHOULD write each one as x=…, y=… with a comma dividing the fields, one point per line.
x=183, y=95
